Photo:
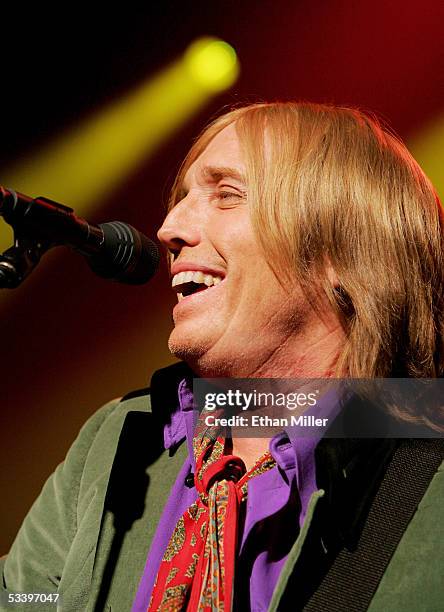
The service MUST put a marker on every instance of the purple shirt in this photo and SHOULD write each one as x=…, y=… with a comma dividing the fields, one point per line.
x=269, y=494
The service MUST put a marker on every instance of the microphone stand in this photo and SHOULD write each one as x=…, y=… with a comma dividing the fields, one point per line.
x=19, y=261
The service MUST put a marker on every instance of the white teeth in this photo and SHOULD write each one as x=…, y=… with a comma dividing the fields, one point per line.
x=196, y=277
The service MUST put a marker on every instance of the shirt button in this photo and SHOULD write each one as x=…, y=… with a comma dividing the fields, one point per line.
x=189, y=480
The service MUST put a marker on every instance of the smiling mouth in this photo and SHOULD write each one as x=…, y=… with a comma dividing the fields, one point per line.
x=190, y=282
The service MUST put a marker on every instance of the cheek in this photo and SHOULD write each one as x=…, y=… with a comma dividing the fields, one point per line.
x=259, y=296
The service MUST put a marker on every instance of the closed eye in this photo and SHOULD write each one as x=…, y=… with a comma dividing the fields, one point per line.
x=224, y=195
x=230, y=197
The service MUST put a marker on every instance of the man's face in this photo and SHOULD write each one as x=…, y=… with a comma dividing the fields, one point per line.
x=233, y=317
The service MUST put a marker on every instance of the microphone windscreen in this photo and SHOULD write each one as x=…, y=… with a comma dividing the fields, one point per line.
x=126, y=255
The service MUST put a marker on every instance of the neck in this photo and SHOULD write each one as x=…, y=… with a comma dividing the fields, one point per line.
x=314, y=357
x=250, y=449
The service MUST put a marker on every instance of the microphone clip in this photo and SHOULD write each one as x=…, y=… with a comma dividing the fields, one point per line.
x=17, y=262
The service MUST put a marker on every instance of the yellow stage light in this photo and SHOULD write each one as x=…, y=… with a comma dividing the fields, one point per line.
x=212, y=63
x=427, y=148
x=82, y=166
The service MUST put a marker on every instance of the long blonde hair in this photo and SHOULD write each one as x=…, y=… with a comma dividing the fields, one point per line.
x=332, y=184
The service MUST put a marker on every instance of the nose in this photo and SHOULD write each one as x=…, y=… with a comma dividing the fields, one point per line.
x=181, y=227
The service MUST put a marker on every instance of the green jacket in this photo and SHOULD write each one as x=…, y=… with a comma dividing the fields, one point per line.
x=87, y=535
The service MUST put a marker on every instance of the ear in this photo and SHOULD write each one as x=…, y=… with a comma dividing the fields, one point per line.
x=342, y=298
x=331, y=273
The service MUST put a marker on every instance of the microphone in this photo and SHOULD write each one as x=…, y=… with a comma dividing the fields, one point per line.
x=115, y=251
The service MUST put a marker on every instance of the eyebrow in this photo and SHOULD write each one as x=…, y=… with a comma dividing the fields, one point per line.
x=217, y=173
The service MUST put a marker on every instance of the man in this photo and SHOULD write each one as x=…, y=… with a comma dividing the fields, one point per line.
x=305, y=242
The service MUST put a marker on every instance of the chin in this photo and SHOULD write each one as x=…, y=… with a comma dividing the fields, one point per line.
x=204, y=362
x=197, y=356
x=186, y=348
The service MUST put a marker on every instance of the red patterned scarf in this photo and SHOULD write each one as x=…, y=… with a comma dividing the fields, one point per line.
x=197, y=569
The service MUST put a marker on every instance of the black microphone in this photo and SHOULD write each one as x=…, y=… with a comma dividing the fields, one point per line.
x=115, y=250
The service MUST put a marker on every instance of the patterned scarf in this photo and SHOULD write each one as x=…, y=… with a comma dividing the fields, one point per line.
x=197, y=569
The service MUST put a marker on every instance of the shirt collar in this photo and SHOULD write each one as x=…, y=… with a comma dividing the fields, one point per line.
x=293, y=453
x=349, y=470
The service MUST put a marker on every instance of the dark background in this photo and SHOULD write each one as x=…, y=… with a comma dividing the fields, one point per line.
x=71, y=341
